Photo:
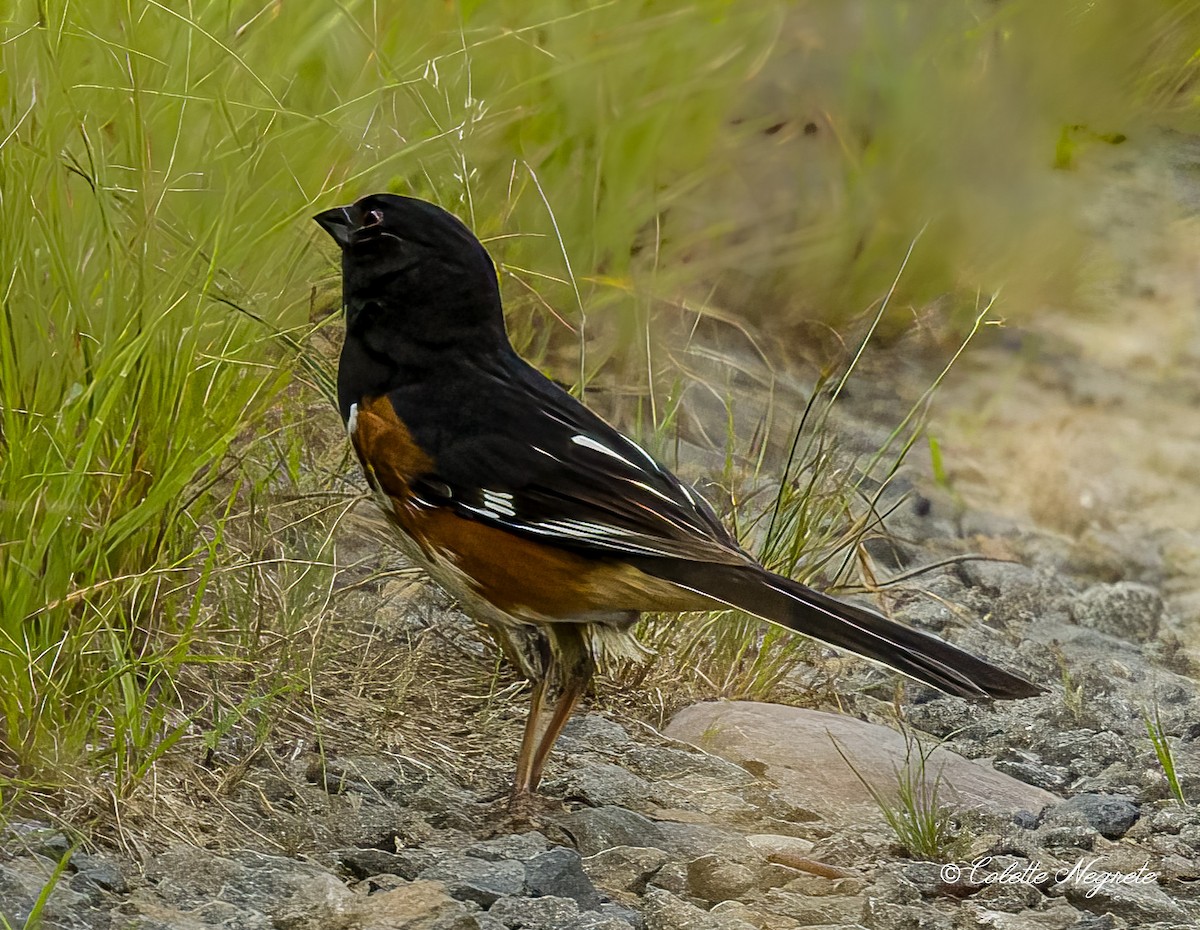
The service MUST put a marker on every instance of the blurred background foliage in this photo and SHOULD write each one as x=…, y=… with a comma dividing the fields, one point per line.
x=630, y=164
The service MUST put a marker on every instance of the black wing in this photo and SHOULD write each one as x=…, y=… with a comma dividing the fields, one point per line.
x=520, y=453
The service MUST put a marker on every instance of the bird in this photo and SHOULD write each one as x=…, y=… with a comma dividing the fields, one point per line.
x=550, y=527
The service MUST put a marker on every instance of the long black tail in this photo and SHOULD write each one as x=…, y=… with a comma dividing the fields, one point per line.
x=871, y=635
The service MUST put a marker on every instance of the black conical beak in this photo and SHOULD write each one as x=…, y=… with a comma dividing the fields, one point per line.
x=339, y=223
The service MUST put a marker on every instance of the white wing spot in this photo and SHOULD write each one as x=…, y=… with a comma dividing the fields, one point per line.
x=352, y=420
x=499, y=502
x=589, y=443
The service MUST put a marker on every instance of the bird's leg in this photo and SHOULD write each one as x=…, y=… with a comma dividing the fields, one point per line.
x=535, y=724
x=567, y=675
x=528, y=648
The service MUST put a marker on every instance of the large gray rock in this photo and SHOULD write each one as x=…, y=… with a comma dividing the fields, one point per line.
x=879, y=914
x=593, y=731
x=366, y=774
x=546, y=913
x=470, y=879
x=192, y=889
x=362, y=863
x=715, y=878
x=519, y=846
x=1126, y=609
x=558, y=873
x=1058, y=917
x=625, y=868
x=98, y=871
x=795, y=748
x=602, y=783
x=595, y=829
x=22, y=881
x=252, y=889
x=1139, y=904
x=416, y=906
x=665, y=911
x=1110, y=815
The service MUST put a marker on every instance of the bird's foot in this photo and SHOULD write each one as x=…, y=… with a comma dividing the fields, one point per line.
x=526, y=811
x=530, y=804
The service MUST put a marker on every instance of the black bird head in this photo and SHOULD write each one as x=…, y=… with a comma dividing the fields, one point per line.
x=413, y=274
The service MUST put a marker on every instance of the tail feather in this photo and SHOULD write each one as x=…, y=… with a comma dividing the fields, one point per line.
x=790, y=604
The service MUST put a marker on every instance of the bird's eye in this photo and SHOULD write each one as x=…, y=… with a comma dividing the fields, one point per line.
x=373, y=218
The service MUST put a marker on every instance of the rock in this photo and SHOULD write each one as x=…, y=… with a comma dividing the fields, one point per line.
x=1084, y=752
x=790, y=819
x=958, y=722
x=519, y=846
x=33, y=836
x=756, y=916
x=626, y=915
x=1025, y=820
x=595, y=829
x=672, y=877
x=879, y=914
x=689, y=840
x=715, y=878
x=1046, y=777
x=690, y=780
x=469, y=879
x=547, y=913
x=1084, y=886
x=414, y=906
x=794, y=748
x=659, y=763
x=447, y=806
x=22, y=881
x=602, y=783
x=774, y=844
x=1014, y=898
x=369, y=824
x=1065, y=839
x=1111, y=815
x=820, y=886
x=1170, y=817
x=253, y=888
x=593, y=920
x=854, y=848
x=665, y=911
x=1060, y=916
x=808, y=911
x=894, y=885
x=625, y=868
x=365, y=774
x=1125, y=609
x=558, y=872
x=363, y=863
x=926, y=877
x=99, y=871
x=691, y=794
x=374, y=884
x=595, y=732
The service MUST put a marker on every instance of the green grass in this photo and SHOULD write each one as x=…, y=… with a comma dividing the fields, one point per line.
x=33, y=920
x=1166, y=755
x=167, y=506
x=923, y=825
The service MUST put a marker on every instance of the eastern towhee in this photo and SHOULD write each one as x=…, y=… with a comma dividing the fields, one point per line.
x=549, y=526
